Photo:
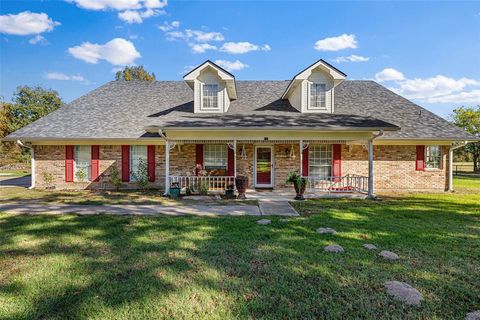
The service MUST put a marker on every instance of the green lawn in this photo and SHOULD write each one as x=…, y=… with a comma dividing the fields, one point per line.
x=106, y=267
x=468, y=183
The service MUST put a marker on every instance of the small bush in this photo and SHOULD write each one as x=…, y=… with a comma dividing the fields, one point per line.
x=141, y=175
x=115, y=177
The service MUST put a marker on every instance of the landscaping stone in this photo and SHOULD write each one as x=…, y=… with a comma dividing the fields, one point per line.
x=388, y=255
x=264, y=221
x=326, y=230
x=475, y=315
x=334, y=248
x=370, y=246
x=403, y=292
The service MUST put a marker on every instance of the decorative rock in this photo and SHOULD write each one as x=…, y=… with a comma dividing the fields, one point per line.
x=264, y=221
x=403, y=292
x=334, y=248
x=370, y=246
x=388, y=255
x=475, y=315
x=326, y=230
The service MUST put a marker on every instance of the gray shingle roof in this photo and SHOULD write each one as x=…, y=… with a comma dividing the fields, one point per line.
x=121, y=109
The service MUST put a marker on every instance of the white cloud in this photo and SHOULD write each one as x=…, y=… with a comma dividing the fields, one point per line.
x=26, y=23
x=389, y=74
x=117, y=51
x=119, y=4
x=462, y=97
x=242, y=47
x=343, y=41
x=63, y=77
x=202, y=47
x=351, y=58
x=136, y=16
x=433, y=89
x=202, y=36
x=231, y=65
x=38, y=39
x=169, y=26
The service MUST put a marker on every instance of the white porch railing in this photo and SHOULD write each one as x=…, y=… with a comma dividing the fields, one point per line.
x=348, y=183
x=213, y=183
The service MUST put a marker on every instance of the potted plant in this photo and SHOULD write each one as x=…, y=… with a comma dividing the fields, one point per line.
x=299, y=183
x=175, y=190
x=241, y=182
x=230, y=192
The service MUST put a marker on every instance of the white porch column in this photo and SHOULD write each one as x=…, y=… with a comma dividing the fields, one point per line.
x=370, y=168
x=235, y=158
x=301, y=157
x=32, y=163
x=167, y=167
x=450, y=169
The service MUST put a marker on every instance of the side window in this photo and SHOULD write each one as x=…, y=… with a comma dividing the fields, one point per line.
x=320, y=160
x=432, y=157
x=210, y=96
x=317, y=95
x=138, y=154
x=82, y=163
x=215, y=156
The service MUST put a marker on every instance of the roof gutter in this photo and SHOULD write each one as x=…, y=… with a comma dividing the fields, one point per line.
x=32, y=162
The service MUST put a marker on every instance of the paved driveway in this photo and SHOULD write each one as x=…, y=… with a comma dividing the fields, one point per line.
x=13, y=181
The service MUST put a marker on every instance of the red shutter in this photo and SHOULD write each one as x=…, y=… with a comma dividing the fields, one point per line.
x=337, y=160
x=69, y=163
x=305, y=162
x=95, y=163
x=198, y=158
x=151, y=163
x=125, y=163
x=230, y=162
x=420, y=163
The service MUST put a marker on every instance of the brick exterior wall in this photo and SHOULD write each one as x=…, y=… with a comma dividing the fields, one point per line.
x=394, y=166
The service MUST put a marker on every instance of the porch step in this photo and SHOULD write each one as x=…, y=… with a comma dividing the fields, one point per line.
x=277, y=208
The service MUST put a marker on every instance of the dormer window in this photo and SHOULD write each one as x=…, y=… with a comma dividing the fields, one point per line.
x=210, y=96
x=317, y=95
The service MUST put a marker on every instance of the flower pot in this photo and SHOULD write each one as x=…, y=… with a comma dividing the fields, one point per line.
x=300, y=190
x=241, y=182
x=230, y=194
x=175, y=192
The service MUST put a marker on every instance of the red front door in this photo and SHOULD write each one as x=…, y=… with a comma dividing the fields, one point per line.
x=264, y=166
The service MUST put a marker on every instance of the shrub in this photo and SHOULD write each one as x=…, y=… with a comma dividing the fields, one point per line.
x=141, y=175
x=81, y=175
x=48, y=179
x=115, y=177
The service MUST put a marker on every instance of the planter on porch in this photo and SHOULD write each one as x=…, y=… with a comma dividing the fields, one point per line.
x=299, y=183
x=241, y=182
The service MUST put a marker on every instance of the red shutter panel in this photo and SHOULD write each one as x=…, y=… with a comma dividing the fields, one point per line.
x=420, y=163
x=69, y=163
x=125, y=163
x=230, y=162
x=337, y=160
x=151, y=163
x=198, y=158
x=305, y=162
x=95, y=163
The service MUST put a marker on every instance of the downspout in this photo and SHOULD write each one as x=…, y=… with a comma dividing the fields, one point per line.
x=32, y=163
x=450, y=163
x=167, y=162
x=370, y=163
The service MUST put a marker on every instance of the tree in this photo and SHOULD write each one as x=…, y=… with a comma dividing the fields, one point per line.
x=134, y=73
x=468, y=118
x=28, y=104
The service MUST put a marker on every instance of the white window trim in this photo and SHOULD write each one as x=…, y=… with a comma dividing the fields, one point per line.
x=440, y=166
x=205, y=166
x=89, y=165
x=310, y=162
x=203, y=107
x=324, y=108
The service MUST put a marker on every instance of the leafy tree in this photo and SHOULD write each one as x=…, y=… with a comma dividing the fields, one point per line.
x=134, y=73
x=468, y=118
x=28, y=104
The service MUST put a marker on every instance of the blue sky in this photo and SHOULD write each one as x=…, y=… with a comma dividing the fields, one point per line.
x=428, y=52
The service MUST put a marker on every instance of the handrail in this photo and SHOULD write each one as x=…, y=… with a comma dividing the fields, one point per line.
x=196, y=183
x=336, y=184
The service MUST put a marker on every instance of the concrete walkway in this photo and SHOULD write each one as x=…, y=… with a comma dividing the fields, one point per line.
x=130, y=209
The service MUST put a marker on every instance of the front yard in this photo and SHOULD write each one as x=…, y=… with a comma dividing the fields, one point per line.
x=106, y=267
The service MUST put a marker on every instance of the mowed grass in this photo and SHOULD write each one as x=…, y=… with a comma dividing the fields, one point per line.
x=469, y=183
x=110, y=267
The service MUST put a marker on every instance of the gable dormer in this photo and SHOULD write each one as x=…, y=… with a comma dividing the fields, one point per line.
x=313, y=89
x=213, y=88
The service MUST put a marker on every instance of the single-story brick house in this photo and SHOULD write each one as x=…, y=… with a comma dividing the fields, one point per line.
x=343, y=135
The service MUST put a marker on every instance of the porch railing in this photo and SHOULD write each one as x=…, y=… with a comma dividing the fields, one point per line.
x=348, y=183
x=196, y=183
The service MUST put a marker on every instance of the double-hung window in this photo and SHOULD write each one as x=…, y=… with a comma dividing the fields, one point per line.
x=82, y=163
x=210, y=96
x=432, y=157
x=320, y=161
x=215, y=156
x=317, y=95
x=138, y=156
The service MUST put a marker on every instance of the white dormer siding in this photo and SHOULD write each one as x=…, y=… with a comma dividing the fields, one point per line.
x=319, y=77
